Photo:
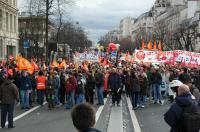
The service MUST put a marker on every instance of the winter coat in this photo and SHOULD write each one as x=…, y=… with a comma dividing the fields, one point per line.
x=90, y=83
x=8, y=92
x=99, y=79
x=134, y=84
x=143, y=85
x=50, y=84
x=80, y=86
x=174, y=114
x=195, y=92
x=90, y=130
x=25, y=83
x=156, y=78
x=71, y=84
x=114, y=81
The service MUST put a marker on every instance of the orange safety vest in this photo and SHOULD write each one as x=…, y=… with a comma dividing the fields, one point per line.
x=41, y=81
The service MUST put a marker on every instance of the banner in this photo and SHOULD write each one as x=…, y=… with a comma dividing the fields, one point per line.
x=86, y=56
x=186, y=58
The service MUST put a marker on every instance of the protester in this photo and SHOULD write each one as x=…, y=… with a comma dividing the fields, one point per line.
x=114, y=83
x=173, y=92
x=57, y=89
x=143, y=82
x=156, y=80
x=134, y=90
x=71, y=87
x=83, y=117
x=90, y=86
x=62, y=91
x=184, y=103
x=193, y=89
x=8, y=94
x=50, y=90
x=80, y=94
x=99, y=80
x=25, y=87
x=41, y=87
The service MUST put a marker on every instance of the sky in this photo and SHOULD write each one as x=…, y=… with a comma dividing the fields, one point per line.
x=97, y=17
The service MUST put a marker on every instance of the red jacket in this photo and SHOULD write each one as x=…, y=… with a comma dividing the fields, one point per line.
x=71, y=84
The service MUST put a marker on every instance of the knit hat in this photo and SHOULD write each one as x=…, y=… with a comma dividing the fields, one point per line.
x=183, y=90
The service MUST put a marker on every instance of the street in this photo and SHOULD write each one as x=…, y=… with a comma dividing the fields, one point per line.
x=111, y=119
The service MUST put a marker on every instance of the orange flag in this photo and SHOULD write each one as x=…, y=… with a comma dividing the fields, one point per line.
x=149, y=45
x=143, y=45
x=54, y=64
x=160, y=46
x=24, y=64
x=35, y=66
x=63, y=64
x=154, y=45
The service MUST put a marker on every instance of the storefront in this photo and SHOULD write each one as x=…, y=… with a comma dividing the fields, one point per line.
x=8, y=47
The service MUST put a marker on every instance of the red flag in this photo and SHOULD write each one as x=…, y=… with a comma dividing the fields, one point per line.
x=127, y=56
x=142, y=45
x=105, y=62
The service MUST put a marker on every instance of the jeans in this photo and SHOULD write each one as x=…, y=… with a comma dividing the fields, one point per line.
x=80, y=99
x=25, y=98
x=157, y=92
x=40, y=97
x=56, y=99
x=7, y=109
x=134, y=99
x=100, y=95
x=70, y=100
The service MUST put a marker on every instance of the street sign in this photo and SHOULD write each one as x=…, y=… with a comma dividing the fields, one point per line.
x=26, y=43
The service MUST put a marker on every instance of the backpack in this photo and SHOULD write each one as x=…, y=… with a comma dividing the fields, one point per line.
x=190, y=121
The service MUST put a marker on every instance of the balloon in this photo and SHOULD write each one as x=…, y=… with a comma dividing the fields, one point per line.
x=112, y=46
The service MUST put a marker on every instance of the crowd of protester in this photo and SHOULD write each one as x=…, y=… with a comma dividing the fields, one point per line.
x=73, y=86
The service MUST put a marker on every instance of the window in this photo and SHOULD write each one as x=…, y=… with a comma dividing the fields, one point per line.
x=1, y=48
x=7, y=21
x=1, y=18
x=14, y=2
x=11, y=23
x=15, y=24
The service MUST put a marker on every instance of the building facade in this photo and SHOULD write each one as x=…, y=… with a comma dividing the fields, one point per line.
x=8, y=28
x=32, y=28
x=113, y=35
x=126, y=26
x=142, y=27
x=178, y=26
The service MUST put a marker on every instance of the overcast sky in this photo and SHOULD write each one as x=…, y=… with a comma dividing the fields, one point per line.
x=99, y=16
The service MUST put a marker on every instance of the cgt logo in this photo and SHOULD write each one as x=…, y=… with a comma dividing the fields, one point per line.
x=140, y=55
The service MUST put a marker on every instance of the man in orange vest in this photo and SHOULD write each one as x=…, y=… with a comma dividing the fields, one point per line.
x=41, y=81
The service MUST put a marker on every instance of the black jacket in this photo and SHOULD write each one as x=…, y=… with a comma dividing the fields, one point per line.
x=8, y=92
x=90, y=130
